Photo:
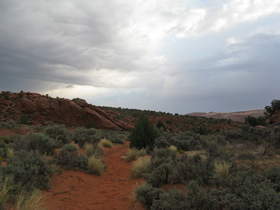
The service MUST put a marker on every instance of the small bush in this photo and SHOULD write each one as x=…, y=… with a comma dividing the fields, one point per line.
x=84, y=135
x=141, y=167
x=3, y=150
x=8, y=124
x=59, y=133
x=27, y=170
x=95, y=166
x=134, y=154
x=167, y=168
x=273, y=175
x=146, y=194
x=143, y=135
x=183, y=141
x=105, y=143
x=69, y=158
x=170, y=200
x=254, y=121
x=33, y=201
x=25, y=119
x=39, y=142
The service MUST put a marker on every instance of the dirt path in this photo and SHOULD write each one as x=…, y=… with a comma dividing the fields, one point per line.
x=113, y=190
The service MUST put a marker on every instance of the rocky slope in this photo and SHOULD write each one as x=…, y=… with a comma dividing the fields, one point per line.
x=41, y=109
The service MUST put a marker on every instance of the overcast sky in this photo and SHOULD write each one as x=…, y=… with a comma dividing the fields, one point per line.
x=171, y=55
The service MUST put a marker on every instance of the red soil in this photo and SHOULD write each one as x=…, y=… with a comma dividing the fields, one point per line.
x=11, y=132
x=113, y=190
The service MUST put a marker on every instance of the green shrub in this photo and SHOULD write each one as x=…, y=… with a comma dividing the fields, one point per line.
x=3, y=150
x=141, y=167
x=170, y=200
x=59, y=133
x=146, y=194
x=25, y=119
x=95, y=165
x=254, y=121
x=143, y=135
x=183, y=141
x=167, y=168
x=84, y=135
x=275, y=106
x=246, y=190
x=39, y=142
x=10, y=124
x=273, y=175
x=70, y=158
x=27, y=170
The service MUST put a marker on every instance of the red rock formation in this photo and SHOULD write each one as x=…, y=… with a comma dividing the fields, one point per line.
x=42, y=109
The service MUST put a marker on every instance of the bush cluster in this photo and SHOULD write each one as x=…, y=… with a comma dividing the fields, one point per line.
x=39, y=142
x=168, y=168
x=116, y=137
x=242, y=191
x=82, y=136
x=59, y=133
x=183, y=141
x=27, y=170
x=70, y=158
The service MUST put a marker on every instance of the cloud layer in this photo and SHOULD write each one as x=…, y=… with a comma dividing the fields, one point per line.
x=167, y=55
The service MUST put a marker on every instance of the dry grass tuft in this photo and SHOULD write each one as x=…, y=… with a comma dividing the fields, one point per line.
x=105, y=143
x=141, y=167
x=95, y=165
x=89, y=149
x=30, y=202
x=4, y=192
x=173, y=148
x=222, y=169
x=134, y=154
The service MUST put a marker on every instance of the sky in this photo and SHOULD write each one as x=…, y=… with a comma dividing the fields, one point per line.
x=177, y=56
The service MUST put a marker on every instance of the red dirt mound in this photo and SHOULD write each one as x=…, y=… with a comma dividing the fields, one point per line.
x=113, y=190
x=39, y=109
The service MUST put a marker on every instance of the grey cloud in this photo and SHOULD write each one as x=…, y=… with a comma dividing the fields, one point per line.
x=37, y=39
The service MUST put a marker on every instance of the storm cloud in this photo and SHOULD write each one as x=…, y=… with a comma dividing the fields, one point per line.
x=169, y=55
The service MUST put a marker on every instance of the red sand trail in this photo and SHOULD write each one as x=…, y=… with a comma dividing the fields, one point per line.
x=113, y=190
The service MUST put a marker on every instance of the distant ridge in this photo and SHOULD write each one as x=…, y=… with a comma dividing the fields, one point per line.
x=235, y=116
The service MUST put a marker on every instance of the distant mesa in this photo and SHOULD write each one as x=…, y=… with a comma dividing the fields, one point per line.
x=234, y=116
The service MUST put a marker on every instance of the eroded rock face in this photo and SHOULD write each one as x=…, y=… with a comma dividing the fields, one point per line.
x=40, y=109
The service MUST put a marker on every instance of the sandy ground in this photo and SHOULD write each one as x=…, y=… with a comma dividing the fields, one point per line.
x=113, y=190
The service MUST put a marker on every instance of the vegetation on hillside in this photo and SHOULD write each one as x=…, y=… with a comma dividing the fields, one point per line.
x=230, y=169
